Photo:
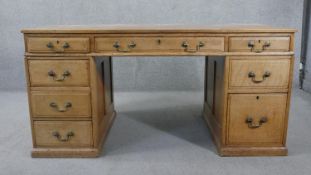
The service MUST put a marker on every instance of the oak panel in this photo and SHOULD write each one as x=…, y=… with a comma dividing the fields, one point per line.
x=44, y=133
x=79, y=100
x=240, y=69
x=39, y=72
x=159, y=44
x=256, y=106
x=58, y=44
x=241, y=44
x=149, y=29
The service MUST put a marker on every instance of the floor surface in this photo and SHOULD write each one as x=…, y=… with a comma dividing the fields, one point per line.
x=160, y=133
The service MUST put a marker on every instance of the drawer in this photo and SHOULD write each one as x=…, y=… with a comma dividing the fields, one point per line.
x=58, y=44
x=257, y=119
x=259, y=44
x=159, y=44
x=259, y=72
x=63, y=133
x=61, y=103
x=58, y=72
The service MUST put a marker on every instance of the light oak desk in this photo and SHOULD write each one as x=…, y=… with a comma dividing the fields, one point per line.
x=248, y=79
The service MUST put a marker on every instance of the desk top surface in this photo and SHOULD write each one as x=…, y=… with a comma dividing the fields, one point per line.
x=158, y=29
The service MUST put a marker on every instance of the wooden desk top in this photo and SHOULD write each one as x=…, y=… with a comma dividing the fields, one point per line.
x=158, y=29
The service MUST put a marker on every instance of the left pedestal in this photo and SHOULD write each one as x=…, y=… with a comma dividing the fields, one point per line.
x=70, y=103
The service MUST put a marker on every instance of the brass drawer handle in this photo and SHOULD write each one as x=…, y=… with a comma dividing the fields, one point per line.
x=130, y=46
x=252, y=75
x=66, y=45
x=68, y=136
x=65, y=74
x=251, y=124
x=61, y=109
x=187, y=47
x=258, y=45
x=50, y=45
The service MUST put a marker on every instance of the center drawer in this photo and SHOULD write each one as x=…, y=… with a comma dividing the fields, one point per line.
x=61, y=103
x=157, y=44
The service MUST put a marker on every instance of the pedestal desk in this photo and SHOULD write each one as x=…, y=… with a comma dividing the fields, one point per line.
x=248, y=80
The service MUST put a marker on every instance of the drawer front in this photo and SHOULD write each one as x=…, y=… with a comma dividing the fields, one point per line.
x=259, y=73
x=58, y=44
x=259, y=44
x=58, y=72
x=156, y=44
x=61, y=103
x=256, y=119
x=63, y=133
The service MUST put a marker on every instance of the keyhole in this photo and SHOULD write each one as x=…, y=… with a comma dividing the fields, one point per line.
x=57, y=42
x=257, y=97
x=159, y=41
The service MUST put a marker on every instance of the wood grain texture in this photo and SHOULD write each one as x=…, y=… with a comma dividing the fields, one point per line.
x=57, y=44
x=253, y=151
x=241, y=44
x=158, y=29
x=70, y=152
x=256, y=106
x=164, y=53
x=278, y=67
x=65, y=152
x=159, y=44
x=39, y=69
x=82, y=133
x=214, y=93
x=79, y=100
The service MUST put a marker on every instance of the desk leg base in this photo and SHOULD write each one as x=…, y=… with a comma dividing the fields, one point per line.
x=64, y=152
x=253, y=151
